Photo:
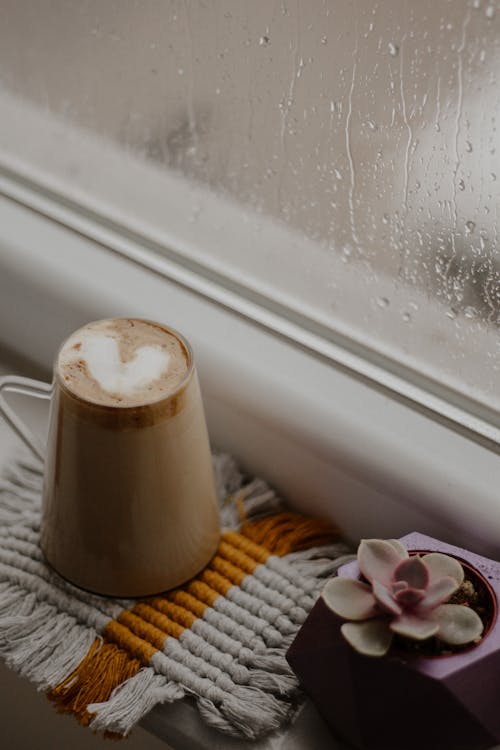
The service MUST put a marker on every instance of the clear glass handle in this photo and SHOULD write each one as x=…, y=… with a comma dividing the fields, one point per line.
x=29, y=387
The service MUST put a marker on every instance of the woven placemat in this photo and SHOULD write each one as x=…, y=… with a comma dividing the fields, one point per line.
x=220, y=639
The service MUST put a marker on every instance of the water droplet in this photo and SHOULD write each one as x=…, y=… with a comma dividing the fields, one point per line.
x=437, y=127
x=372, y=125
x=385, y=219
x=461, y=185
x=451, y=314
x=393, y=49
x=338, y=174
x=470, y=226
x=406, y=317
x=383, y=302
x=264, y=41
x=470, y=312
x=324, y=40
x=180, y=71
x=493, y=176
x=476, y=4
x=490, y=11
x=332, y=107
x=468, y=147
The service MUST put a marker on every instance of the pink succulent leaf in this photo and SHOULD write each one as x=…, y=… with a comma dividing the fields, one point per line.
x=399, y=547
x=350, y=599
x=438, y=592
x=372, y=638
x=399, y=586
x=409, y=597
x=457, y=624
x=414, y=626
x=385, y=599
x=440, y=565
x=413, y=571
x=377, y=560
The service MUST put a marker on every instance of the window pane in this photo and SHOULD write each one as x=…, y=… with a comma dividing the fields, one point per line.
x=367, y=131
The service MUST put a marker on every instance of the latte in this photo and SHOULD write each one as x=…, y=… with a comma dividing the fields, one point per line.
x=129, y=503
x=123, y=362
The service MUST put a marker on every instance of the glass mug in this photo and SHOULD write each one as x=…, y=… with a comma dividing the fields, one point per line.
x=129, y=504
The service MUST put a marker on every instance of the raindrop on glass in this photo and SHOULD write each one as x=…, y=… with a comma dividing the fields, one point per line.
x=468, y=147
x=406, y=317
x=461, y=185
x=490, y=11
x=393, y=49
x=470, y=312
x=382, y=302
x=493, y=176
x=324, y=40
x=470, y=226
x=451, y=314
x=264, y=41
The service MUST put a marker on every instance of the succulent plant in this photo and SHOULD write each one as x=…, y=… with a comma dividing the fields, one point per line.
x=403, y=594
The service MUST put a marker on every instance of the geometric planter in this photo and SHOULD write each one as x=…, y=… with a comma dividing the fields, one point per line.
x=405, y=701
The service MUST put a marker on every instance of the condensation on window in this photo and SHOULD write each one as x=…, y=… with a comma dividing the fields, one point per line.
x=369, y=127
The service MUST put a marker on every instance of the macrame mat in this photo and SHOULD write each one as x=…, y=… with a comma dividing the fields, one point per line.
x=221, y=638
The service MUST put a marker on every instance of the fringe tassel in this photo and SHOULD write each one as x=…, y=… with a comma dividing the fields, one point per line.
x=132, y=700
x=290, y=532
x=104, y=668
x=246, y=712
x=38, y=641
x=321, y=569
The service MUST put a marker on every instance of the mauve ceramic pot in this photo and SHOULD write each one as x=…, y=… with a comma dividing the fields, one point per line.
x=404, y=701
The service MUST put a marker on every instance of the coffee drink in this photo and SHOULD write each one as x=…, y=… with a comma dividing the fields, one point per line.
x=122, y=362
x=129, y=505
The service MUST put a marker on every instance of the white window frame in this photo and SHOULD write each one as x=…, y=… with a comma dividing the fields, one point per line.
x=333, y=444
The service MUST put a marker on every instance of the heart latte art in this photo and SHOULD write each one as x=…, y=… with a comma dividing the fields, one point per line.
x=123, y=362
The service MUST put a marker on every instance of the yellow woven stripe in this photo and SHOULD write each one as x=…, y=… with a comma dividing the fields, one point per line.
x=186, y=601
x=201, y=591
x=140, y=649
x=166, y=616
x=141, y=628
x=255, y=554
x=237, y=557
x=216, y=581
x=228, y=570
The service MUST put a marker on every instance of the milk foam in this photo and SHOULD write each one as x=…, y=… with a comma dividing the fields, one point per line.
x=102, y=356
x=122, y=361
